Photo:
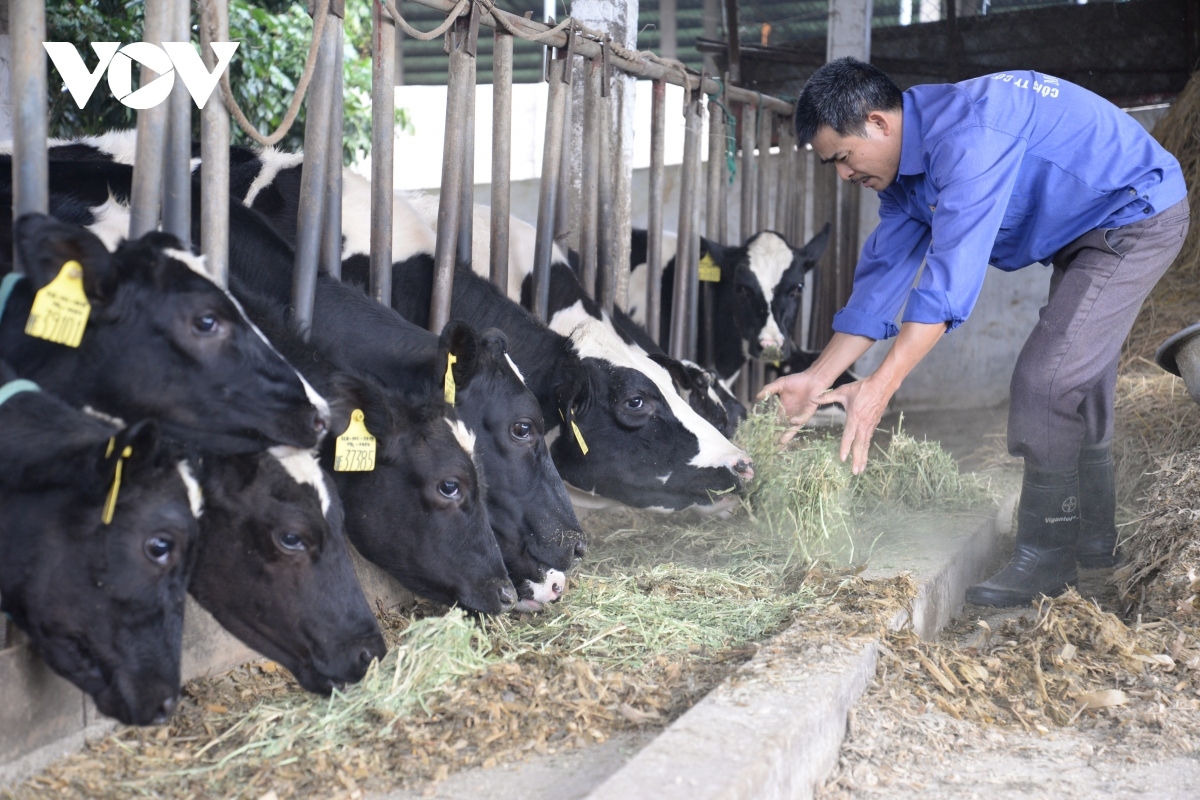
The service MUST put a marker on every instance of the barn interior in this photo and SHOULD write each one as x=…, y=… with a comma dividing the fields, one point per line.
x=813, y=641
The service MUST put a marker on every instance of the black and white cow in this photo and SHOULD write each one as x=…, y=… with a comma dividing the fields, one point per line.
x=102, y=603
x=756, y=302
x=162, y=340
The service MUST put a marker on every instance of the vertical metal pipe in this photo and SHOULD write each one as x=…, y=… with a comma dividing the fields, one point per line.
x=562, y=208
x=747, y=211
x=654, y=231
x=145, y=202
x=177, y=175
x=383, y=141
x=605, y=268
x=31, y=169
x=547, y=197
x=766, y=125
x=502, y=155
x=453, y=154
x=589, y=189
x=466, y=214
x=685, y=260
x=214, y=152
x=331, y=229
x=712, y=224
x=310, y=215
x=785, y=169
x=502, y=62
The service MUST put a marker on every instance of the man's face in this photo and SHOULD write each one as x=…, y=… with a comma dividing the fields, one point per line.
x=873, y=159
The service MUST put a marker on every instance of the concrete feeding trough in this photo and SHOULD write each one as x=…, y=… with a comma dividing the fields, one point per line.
x=1180, y=355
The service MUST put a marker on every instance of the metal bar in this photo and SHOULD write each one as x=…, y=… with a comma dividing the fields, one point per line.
x=784, y=168
x=685, y=262
x=589, y=189
x=177, y=174
x=746, y=216
x=384, y=38
x=310, y=216
x=453, y=156
x=654, y=264
x=502, y=65
x=646, y=69
x=605, y=278
x=551, y=162
x=726, y=183
x=31, y=169
x=331, y=229
x=562, y=210
x=766, y=132
x=714, y=183
x=757, y=377
x=466, y=214
x=214, y=153
x=732, y=42
x=145, y=201
x=693, y=250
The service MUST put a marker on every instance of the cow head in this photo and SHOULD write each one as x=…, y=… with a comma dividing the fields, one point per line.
x=769, y=284
x=704, y=393
x=530, y=512
x=645, y=446
x=102, y=603
x=274, y=568
x=421, y=513
x=163, y=341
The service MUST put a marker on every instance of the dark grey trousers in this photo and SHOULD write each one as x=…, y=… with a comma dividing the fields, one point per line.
x=1064, y=384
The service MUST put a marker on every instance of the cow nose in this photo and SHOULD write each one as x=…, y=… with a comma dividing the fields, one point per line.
x=580, y=548
x=165, y=710
x=768, y=342
x=744, y=469
x=365, y=657
x=508, y=597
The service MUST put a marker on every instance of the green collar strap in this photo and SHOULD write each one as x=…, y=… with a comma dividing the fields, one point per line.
x=16, y=387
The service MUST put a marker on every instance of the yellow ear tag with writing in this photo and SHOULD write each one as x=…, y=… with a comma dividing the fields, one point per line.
x=354, y=450
x=578, y=435
x=709, y=270
x=448, y=384
x=60, y=308
x=110, y=502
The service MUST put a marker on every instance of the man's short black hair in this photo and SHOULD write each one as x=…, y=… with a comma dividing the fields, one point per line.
x=841, y=94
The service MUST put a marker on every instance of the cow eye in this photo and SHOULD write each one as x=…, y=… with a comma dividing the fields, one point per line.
x=635, y=403
x=158, y=549
x=522, y=431
x=449, y=489
x=206, y=324
x=291, y=541
x=796, y=290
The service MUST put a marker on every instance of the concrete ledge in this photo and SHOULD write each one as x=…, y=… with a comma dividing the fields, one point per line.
x=773, y=730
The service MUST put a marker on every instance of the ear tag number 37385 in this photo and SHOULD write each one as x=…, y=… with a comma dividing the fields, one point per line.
x=354, y=450
x=60, y=308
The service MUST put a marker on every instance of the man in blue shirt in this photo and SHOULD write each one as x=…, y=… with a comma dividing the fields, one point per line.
x=1008, y=169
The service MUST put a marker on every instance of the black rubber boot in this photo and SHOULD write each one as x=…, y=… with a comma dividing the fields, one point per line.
x=1047, y=530
x=1097, y=508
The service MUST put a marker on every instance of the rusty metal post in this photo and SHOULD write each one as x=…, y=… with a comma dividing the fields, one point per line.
x=746, y=216
x=502, y=61
x=785, y=169
x=714, y=181
x=654, y=231
x=605, y=268
x=460, y=43
x=214, y=152
x=310, y=216
x=383, y=142
x=145, y=201
x=766, y=125
x=547, y=197
x=683, y=301
x=31, y=167
x=589, y=188
x=331, y=229
x=177, y=175
x=466, y=214
x=562, y=210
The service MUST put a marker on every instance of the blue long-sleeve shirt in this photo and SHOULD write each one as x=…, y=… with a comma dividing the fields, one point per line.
x=1005, y=169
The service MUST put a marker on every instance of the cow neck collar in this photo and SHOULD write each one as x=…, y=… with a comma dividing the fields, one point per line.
x=6, y=289
x=16, y=387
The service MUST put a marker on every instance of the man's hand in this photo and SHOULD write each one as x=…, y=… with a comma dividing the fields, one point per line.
x=798, y=395
x=864, y=401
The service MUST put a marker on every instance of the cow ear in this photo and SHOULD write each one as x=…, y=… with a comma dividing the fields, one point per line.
x=458, y=338
x=676, y=369
x=710, y=248
x=811, y=253
x=141, y=439
x=45, y=244
x=347, y=392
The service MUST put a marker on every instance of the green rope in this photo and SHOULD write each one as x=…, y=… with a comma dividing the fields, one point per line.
x=730, y=131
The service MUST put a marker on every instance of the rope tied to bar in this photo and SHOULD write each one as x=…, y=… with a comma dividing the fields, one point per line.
x=208, y=20
x=423, y=36
x=730, y=129
x=502, y=20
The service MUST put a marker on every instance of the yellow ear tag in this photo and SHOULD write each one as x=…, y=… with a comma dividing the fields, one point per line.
x=60, y=308
x=578, y=435
x=448, y=384
x=709, y=270
x=110, y=503
x=354, y=450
